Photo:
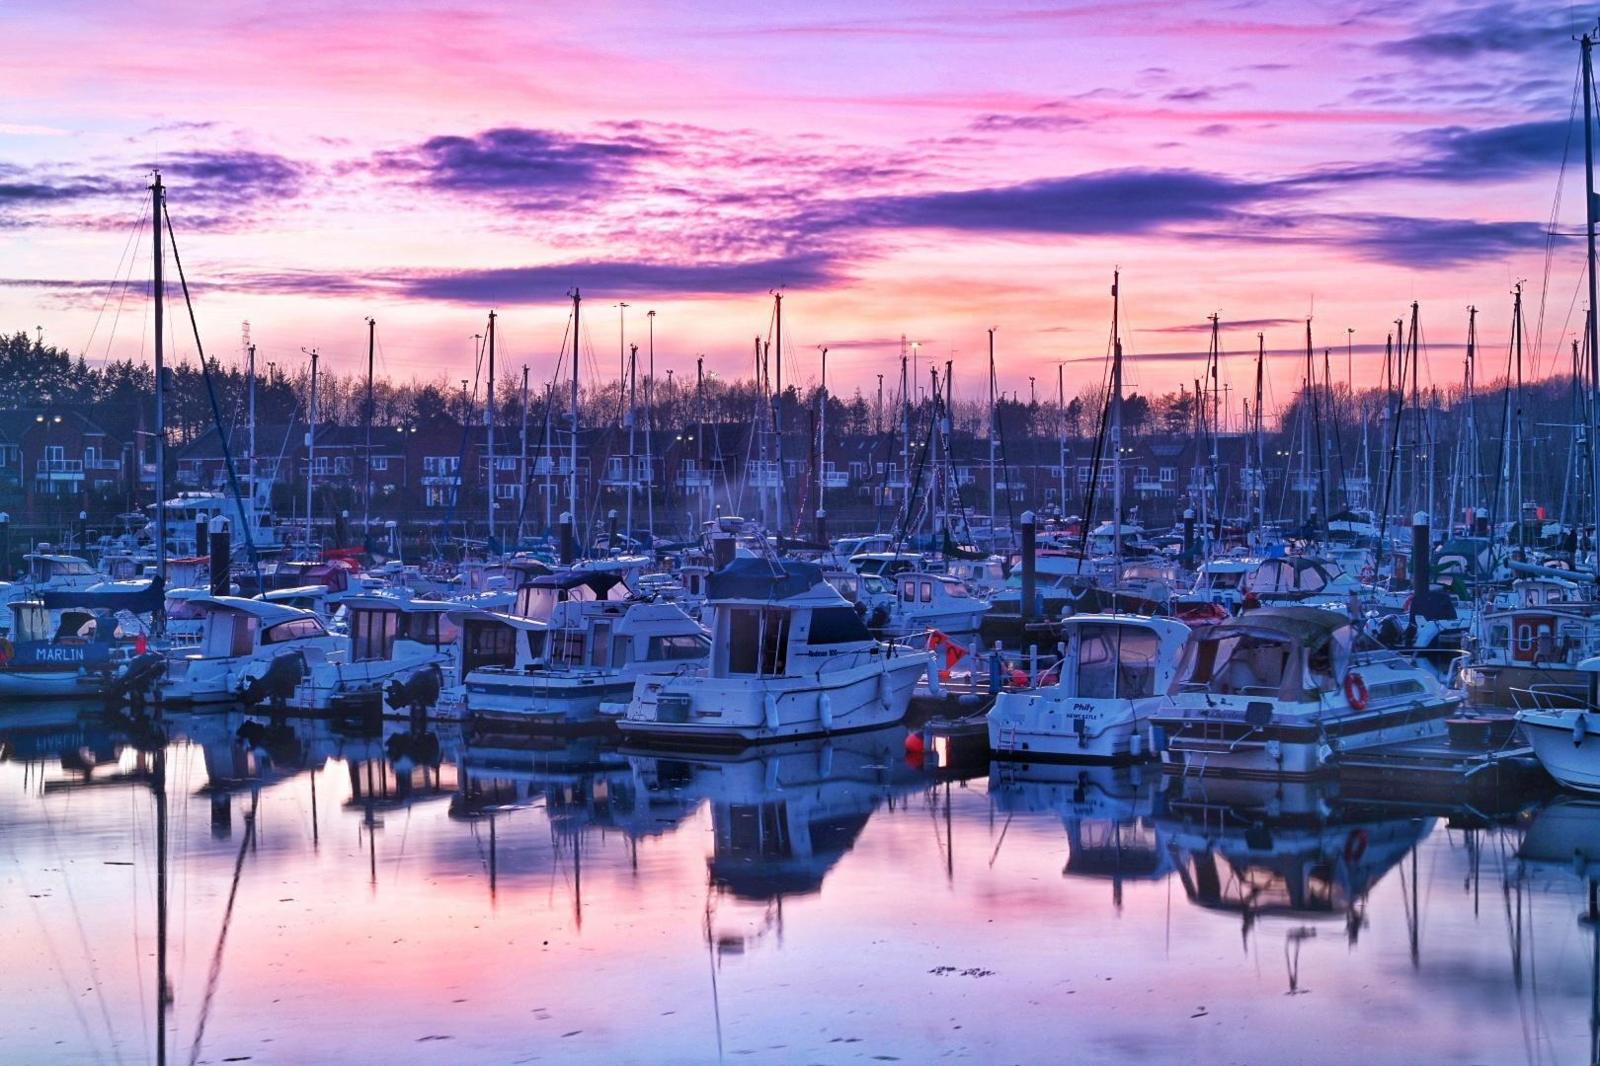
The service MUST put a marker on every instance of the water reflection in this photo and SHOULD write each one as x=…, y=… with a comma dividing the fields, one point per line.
x=763, y=904
x=1107, y=811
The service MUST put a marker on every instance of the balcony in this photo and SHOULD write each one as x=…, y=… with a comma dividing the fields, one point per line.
x=60, y=469
x=114, y=465
x=1148, y=485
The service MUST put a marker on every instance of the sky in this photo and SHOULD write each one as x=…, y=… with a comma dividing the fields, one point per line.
x=918, y=170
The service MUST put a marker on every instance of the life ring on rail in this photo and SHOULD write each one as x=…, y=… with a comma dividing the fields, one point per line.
x=1355, y=846
x=1367, y=574
x=6, y=651
x=1355, y=690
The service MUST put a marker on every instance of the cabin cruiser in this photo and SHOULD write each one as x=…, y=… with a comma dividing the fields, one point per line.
x=57, y=654
x=1529, y=654
x=561, y=670
x=1283, y=691
x=249, y=517
x=241, y=639
x=1117, y=669
x=392, y=639
x=919, y=602
x=790, y=658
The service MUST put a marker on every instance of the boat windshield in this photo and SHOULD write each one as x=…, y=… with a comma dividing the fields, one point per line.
x=1235, y=662
x=1116, y=662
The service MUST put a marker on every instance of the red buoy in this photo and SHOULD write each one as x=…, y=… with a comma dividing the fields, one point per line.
x=914, y=745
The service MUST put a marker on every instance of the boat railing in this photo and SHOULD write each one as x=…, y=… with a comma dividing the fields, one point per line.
x=1547, y=697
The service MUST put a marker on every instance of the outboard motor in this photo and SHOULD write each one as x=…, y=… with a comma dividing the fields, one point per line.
x=277, y=683
x=418, y=692
x=138, y=677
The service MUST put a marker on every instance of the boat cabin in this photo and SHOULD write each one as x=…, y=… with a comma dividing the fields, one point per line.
x=768, y=616
x=1287, y=653
x=232, y=626
x=929, y=589
x=379, y=623
x=1126, y=657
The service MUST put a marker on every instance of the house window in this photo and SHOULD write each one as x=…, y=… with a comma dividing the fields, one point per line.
x=380, y=462
x=1168, y=475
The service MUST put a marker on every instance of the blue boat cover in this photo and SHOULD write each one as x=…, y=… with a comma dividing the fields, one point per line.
x=135, y=600
x=761, y=579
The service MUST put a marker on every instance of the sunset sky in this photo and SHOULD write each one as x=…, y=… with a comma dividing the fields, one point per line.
x=928, y=170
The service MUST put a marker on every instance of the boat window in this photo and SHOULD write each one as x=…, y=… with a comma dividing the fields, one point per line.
x=600, y=646
x=757, y=640
x=32, y=622
x=908, y=591
x=836, y=625
x=536, y=602
x=182, y=611
x=488, y=644
x=1226, y=580
x=1244, y=663
x=372, y=634
x=76, y=625
x=682, y=646
x=927, y=592
x=1116, y=662
x=956, y=590
x=566, y=647
x=1524, y=636
x=621, y=651
x=297, y=629
x=536, y=644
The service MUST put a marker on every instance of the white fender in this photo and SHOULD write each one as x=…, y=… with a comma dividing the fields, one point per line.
x=825, y=710
x=770, y=706
x=934, y=687
x=825, y=759
x=1580, y=726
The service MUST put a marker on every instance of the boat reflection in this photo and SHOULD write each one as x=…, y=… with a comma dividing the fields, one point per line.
x=1563, y=843
x=1294, y=852
x=1107, y=812
x=784, y=815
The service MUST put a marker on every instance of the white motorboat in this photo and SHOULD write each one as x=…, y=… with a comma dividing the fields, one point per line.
x=588, y=653
x=1283, y=691
x=242, y=639
x=1117, y=669
x=918, y=602
x=790, y=658
x=391, y=640
x=1565, y=730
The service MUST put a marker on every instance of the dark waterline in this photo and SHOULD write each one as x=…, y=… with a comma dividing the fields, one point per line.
x=400, y=898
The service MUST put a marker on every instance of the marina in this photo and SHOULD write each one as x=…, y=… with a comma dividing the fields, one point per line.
x=689, y=533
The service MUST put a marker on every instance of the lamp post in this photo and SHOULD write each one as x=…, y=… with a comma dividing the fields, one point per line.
x=5, y=544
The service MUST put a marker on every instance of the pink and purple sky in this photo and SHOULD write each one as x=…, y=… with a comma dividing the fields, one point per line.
x=920, y=169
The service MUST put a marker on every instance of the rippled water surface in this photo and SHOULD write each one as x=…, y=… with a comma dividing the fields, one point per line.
x=415, y=897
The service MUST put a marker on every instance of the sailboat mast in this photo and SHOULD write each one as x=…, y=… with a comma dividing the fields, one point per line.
x=905, y=429
x=1591, y=216
x=311, y=456
x=994, y=433
x=1061, y=436
x=572, y=472
x=650, y=431
x=522, y=465
x=157, y=194
x=488, y=419
x=777, y=405
x=366, y=466
x=633, y=463
x=822, y=447
x=1116, y=423
x=250, y=391
x=1261, y=440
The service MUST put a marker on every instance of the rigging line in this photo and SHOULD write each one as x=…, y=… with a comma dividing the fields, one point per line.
x=135, y=228
x=1555, y=211
x=215, y=975
x=211, y=393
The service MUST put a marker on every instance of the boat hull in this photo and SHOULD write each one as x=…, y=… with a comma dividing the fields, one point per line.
x=1038, y=724
x=1568, y=754
x=724, y=712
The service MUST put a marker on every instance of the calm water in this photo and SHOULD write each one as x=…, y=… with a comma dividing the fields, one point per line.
x=394, y=899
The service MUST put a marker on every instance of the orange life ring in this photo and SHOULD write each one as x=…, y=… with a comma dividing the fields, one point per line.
x=1355, y=690
x=6, y=651
x=1355, y=846
x=1367, y=574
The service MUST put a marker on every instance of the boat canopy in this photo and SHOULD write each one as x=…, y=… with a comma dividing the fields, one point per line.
x=1289, y=574
x=1290, y=653
x=761, y=579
